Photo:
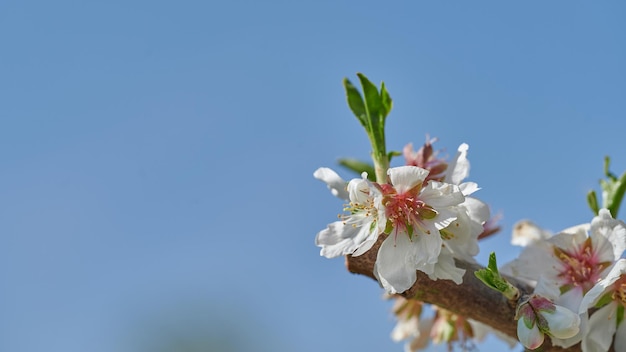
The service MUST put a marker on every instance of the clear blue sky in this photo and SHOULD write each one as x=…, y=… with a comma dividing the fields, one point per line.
x=157, y=157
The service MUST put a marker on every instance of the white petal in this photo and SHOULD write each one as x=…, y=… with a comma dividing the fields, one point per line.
x=440, y=195
x=364, y=247
x=427, y=246
x=620, y=337
x=547, y=288
x=464, y=242
x=608, y=236
x=405, y=328
x=445, y=217
x=476, y=209
x=530, y=338
x=568, y=241
x=526, y=232
x=423, y=339
x=396, y=263
x=468, y=188
x=445, y=269
x=359, y=190
x=336, y=184
x=340, y=239
x=458, y=168
x=563, y=323
x=571, y=299
x=404, y=178
x=600, y=329
x=532, y=262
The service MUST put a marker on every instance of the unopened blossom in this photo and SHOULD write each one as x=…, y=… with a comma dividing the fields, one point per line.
x=606, y=324
x=426, y=158
x=539, y=316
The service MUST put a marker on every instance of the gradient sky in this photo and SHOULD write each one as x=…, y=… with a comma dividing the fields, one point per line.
x=157, y=157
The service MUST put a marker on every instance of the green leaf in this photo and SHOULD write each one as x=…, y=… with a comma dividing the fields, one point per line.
x=617, y=196
x=393, y=153
x=355, y=102
x=613, y=189
x=592, y=200
x=493, y=265
x=492, y=279
x=372, y=98
x=607, y=172
x=385, y=100
x=359, y=167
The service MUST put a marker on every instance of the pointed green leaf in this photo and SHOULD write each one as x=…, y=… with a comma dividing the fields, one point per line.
x=493, y=265
x=372, y=98
x=355, y=102
x=607, y=172
x=592, y=200
x=386, y=101
x=617, y=195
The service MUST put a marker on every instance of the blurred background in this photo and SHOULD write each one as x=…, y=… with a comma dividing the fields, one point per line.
x=156, y=189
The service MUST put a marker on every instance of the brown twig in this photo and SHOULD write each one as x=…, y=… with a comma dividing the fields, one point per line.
x=471, y=299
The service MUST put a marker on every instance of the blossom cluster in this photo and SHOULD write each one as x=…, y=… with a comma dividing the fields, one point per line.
x=423, y=217
x=425, y=210
x=442, y=327
x=579, y=277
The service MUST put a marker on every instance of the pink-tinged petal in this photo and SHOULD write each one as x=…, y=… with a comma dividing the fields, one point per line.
x=405, y=178
x=597, y=291
x=396, y=263
x=600, y=329
x=336, y=184
x=531, y=338
x=458, y=168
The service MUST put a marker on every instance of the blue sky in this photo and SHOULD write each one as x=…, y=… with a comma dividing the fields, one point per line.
x=157, y=157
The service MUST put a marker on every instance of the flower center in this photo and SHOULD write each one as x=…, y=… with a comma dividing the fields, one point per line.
x=357, y=212
x=619, y=290
x=405, y=211
x=580, y=267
